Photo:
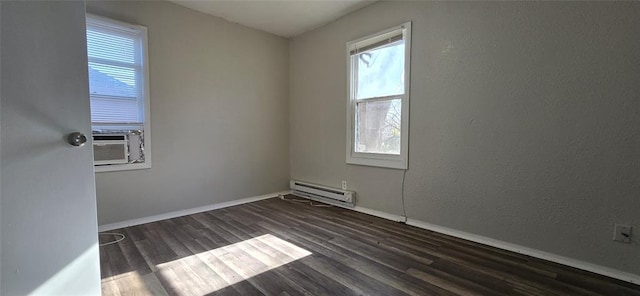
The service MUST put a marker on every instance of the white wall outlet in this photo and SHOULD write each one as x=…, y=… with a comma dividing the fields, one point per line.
x=622, y=233
x=344, y=185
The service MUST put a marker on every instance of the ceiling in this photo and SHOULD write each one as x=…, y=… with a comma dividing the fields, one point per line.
x=286, y=18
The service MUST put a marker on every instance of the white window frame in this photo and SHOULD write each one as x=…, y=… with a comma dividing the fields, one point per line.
x=379, y=159
x=146, y=108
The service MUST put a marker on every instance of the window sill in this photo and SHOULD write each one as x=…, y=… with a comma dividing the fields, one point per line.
x=121, y=167
x=383, y=161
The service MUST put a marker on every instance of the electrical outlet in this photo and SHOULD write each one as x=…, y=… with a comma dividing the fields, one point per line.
x=344, y=185
x=622, y=233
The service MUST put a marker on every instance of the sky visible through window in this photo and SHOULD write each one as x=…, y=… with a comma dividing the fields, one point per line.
x=380, y=73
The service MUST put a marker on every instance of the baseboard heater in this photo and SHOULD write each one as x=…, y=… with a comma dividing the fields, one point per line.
x=334, y=196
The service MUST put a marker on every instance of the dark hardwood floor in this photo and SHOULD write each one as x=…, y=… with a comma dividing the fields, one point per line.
x=277, y=247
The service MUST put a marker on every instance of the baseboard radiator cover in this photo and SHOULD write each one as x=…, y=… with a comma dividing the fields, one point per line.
x=330, y=195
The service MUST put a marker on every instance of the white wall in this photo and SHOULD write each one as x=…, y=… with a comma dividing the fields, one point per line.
x=524, y=121
x=48, y=223
x=219, y=113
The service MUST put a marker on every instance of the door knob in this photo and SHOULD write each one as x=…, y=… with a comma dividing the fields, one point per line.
x=76, y=139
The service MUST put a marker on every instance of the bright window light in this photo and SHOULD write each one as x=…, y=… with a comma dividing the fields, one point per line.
x=378, y=101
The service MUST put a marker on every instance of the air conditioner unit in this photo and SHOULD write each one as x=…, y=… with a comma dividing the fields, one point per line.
x=110, y=149
x=335, y=196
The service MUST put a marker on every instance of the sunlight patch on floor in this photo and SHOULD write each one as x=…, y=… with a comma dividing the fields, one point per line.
x=132, y=283
x=216, y=269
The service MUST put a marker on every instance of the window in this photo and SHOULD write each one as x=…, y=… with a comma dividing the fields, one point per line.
x=378, y=107
x=119, y=93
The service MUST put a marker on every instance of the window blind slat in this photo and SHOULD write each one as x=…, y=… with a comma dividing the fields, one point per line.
x=114, y=110
x=112, y=80
x=114, y=73
x=111, y=47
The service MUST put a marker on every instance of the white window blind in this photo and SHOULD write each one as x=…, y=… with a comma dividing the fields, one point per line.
x=115, y=72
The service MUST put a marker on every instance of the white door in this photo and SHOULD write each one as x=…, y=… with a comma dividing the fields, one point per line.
x=48, y=218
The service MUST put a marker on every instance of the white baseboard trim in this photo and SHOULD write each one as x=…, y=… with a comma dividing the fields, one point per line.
x=180, y=213
x=606, y=271
x=381, y=214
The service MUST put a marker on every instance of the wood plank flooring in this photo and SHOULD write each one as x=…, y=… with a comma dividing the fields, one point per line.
x=279, y=247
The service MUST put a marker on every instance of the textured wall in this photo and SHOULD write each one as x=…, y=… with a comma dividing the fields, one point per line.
x=219, y=113
x=524, y=121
